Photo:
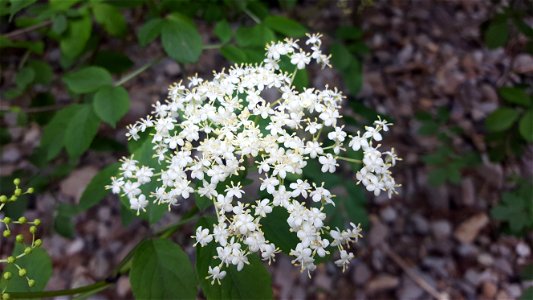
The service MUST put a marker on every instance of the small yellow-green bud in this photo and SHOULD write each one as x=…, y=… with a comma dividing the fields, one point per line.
x=7, y=233
x=31, y=283
x=16, y=181
x=22, y=272
x=10, y=259
x=37, y=222
x=20, y=238
x=27, y=250
x=7, y=275
x=30, y=190
x=5, y=296
x=33, y=229
x=7, y=220
x=3, y=198
x=18, y=192
x=13, y=198
x=22, y=220
x=38, y=243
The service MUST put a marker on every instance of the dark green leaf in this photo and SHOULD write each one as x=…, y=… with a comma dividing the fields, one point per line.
x=526, y=126
x=114, y=62
x=181, y=40
x=252, y=282
x=24, y=77
x=527, y=294
x=18, y=5
x=515, y=95
x=81, y=131
x=87, y=80
x=96, y=189
x=285, y=26
x=223, y=31
x=54, y=132
x=38, y=266
x=233, y=54
x=59, y=24
x=78, y=33
x=353, y=77
x=277, y=230
x=111, y=104
x=349, y=33
x=256, y=36
x=43, y=71
x=340, y=56
x=501, y=119
x=161, y=270
x=110, y=18
x=497, y=33
x=149, y=31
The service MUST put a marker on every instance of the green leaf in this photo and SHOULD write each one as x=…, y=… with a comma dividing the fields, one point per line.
x=78, y=33
x=149, y=31
x=110, y=18
x=81, y=131
x=353, y=77
x=161, y=270
x=24, y=77
x=18, y=5
x=43, y=71
x=59, y=24
x=181, y=40
x=526, y=126
x=527, y=294
x=340, y=56
x=497, y=33
x=501, y=119
x=252, y=282
x=234, y=54
x=515, y=95
x=111, y=104
x=38, y=266
x=54, y=132
x=114, y=62
x=256, y=36
x=277, y=230
x=223, y=31
x=285, y=26
x=349, y=33
x=96, y=189
x=87, y=80
x=63, y=221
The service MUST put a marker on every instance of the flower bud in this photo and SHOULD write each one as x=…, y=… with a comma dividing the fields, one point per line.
x=16, y=181
x=5, y=296
x=22, y=272
x=27, y=250
x=37, y=222
x=3, y=199
x=31, y=283
x=20, y=238
x=7, y=220
x=18, y=192
x=11, y=259
x=7, y=233
x=30, y=190
x=22, y=220
x=38, y=243
x=7, y=275
x=33, y=229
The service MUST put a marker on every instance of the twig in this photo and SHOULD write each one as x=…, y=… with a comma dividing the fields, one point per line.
x=252, y=15
x=27, y=29
x=413, y=275
x=134, y=73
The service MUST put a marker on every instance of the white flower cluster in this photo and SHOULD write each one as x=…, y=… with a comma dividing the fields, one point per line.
x=206, y=133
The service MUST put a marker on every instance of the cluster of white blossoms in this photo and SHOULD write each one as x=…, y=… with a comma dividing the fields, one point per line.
x=206, y=133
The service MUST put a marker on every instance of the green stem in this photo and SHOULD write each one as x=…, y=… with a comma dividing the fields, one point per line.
x=357, y=161
x=84, y=289
x=135, y=73
x=252, y=15
x=213, y=46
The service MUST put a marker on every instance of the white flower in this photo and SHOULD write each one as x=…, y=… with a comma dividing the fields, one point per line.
x=344, y=260
x=202, y=236
x=300, y=59
x=328, y=163
x=216, y=274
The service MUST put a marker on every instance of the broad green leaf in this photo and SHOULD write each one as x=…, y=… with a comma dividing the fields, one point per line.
x=114, y=62
x=73, y=42
x=181, y=40
x=234, y=54
x=285, y=26
x=161, y=270
x=43, y=71
x=340, y=56
x=256, y=36
x=38, y=266
x=252, y=282
x=63, y=221
x=81, y=131
x=501, y=119
x=526, y=126
x=149, y=31
x=111, y=104
x=24, y=77
x=87, y=80
x=277, y=230
x=59, y=24
x=110, y=18
x=53, y=138
x=497, y=33
x=353, y=77
x=18, y=5
x=96, y=189
x=515, y=95
x=223, y=31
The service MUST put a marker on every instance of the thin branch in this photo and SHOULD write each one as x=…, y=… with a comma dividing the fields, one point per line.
x=30, y=110
x=252, y=15
x=27, y=29
x=135, y=73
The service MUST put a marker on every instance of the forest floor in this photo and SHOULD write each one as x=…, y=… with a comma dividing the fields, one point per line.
x=425, y=241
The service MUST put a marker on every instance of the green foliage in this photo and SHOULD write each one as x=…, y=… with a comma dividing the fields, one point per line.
x=161, y=270
x=181, y=40
x=96, y=189
x=111, y=104
x=38, y=265
x=446, y=163
x=81, y=130
x=285, y=26
x=497, y=33
x=346, y=54
x=516, y=208
x=87, y=80
x=253, y=282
